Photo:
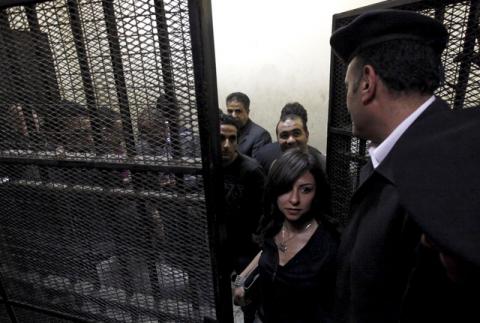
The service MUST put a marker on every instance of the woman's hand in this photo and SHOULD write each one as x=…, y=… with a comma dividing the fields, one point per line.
x=239, y=296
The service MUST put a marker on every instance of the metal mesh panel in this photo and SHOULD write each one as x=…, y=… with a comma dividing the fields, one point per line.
x=102, y=204
x=3, y=314
x=25, y=315
x=347, y=154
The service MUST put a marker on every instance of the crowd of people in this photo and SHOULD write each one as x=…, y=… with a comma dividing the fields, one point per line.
x=411, y=249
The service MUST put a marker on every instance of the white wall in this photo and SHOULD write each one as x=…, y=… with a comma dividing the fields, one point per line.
x=277, y=51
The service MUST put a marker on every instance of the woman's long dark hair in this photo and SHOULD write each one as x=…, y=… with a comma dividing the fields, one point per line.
x=282, y=175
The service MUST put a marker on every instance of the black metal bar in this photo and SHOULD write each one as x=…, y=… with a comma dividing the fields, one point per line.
x=337, y=101
x=54, y=313
x=53, y=92
x=167, y=74
x=79, y=316
x=201, y=31
x=5, y=34
x=90, y=164
x=4, y=28
x=49, y=312
x=467, y=55
x=13, y=3
x=340, y=131
x=35, y=32
x=14, y=78
x=119, y=75
x=4, y=19
x=150, y=196
x=3, y=294
x=88, y=87
x=46, y=86
x=168, y=83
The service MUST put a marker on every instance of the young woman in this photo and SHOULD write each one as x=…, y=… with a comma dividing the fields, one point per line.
x=297, y=263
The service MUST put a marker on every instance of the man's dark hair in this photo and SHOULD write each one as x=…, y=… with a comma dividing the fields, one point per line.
x=294, y=108
x=226, y=119
x=293, y=111
x=405, y=66
x=240, y=97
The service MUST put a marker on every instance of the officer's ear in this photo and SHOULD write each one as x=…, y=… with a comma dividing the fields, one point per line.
x=368, y=84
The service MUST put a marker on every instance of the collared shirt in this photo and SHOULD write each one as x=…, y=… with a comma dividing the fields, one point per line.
x=378, y=153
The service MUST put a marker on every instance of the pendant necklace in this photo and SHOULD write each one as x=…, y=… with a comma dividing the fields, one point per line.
x=282, y=246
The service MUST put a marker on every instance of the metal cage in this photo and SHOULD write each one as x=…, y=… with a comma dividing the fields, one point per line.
x=461, y=89
x=109, y=163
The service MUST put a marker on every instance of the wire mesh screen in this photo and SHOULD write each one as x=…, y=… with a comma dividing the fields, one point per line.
x=4, y=317
x=102, y=204
x=461, y=89
x=23, y=315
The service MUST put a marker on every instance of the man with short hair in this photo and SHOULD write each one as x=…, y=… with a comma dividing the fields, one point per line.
x=292, y=131
x=250, y=136
x=244, y=181
x=388, y=269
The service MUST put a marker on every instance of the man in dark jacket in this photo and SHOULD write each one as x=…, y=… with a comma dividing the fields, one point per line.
x=244, y=181
x=250, y=135
x=292, y=131
x=388, y=269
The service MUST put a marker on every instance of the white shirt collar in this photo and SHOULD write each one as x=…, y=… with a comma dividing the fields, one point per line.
x=378, y=154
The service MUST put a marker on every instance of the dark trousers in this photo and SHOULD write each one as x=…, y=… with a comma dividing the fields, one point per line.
x=249, y=312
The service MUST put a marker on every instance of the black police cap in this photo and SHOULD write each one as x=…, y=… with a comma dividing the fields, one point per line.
x=379, y=26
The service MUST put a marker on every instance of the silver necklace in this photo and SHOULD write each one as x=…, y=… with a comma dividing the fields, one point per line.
x=282, y=246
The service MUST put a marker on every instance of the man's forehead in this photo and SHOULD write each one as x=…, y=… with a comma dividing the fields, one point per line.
x=290, y=124
x=235, y=104
x=228, y=129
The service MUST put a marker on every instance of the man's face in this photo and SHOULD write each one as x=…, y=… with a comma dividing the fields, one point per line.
x=228, y=138
x=354, y=103
x=238, y=111
x=291, y=133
